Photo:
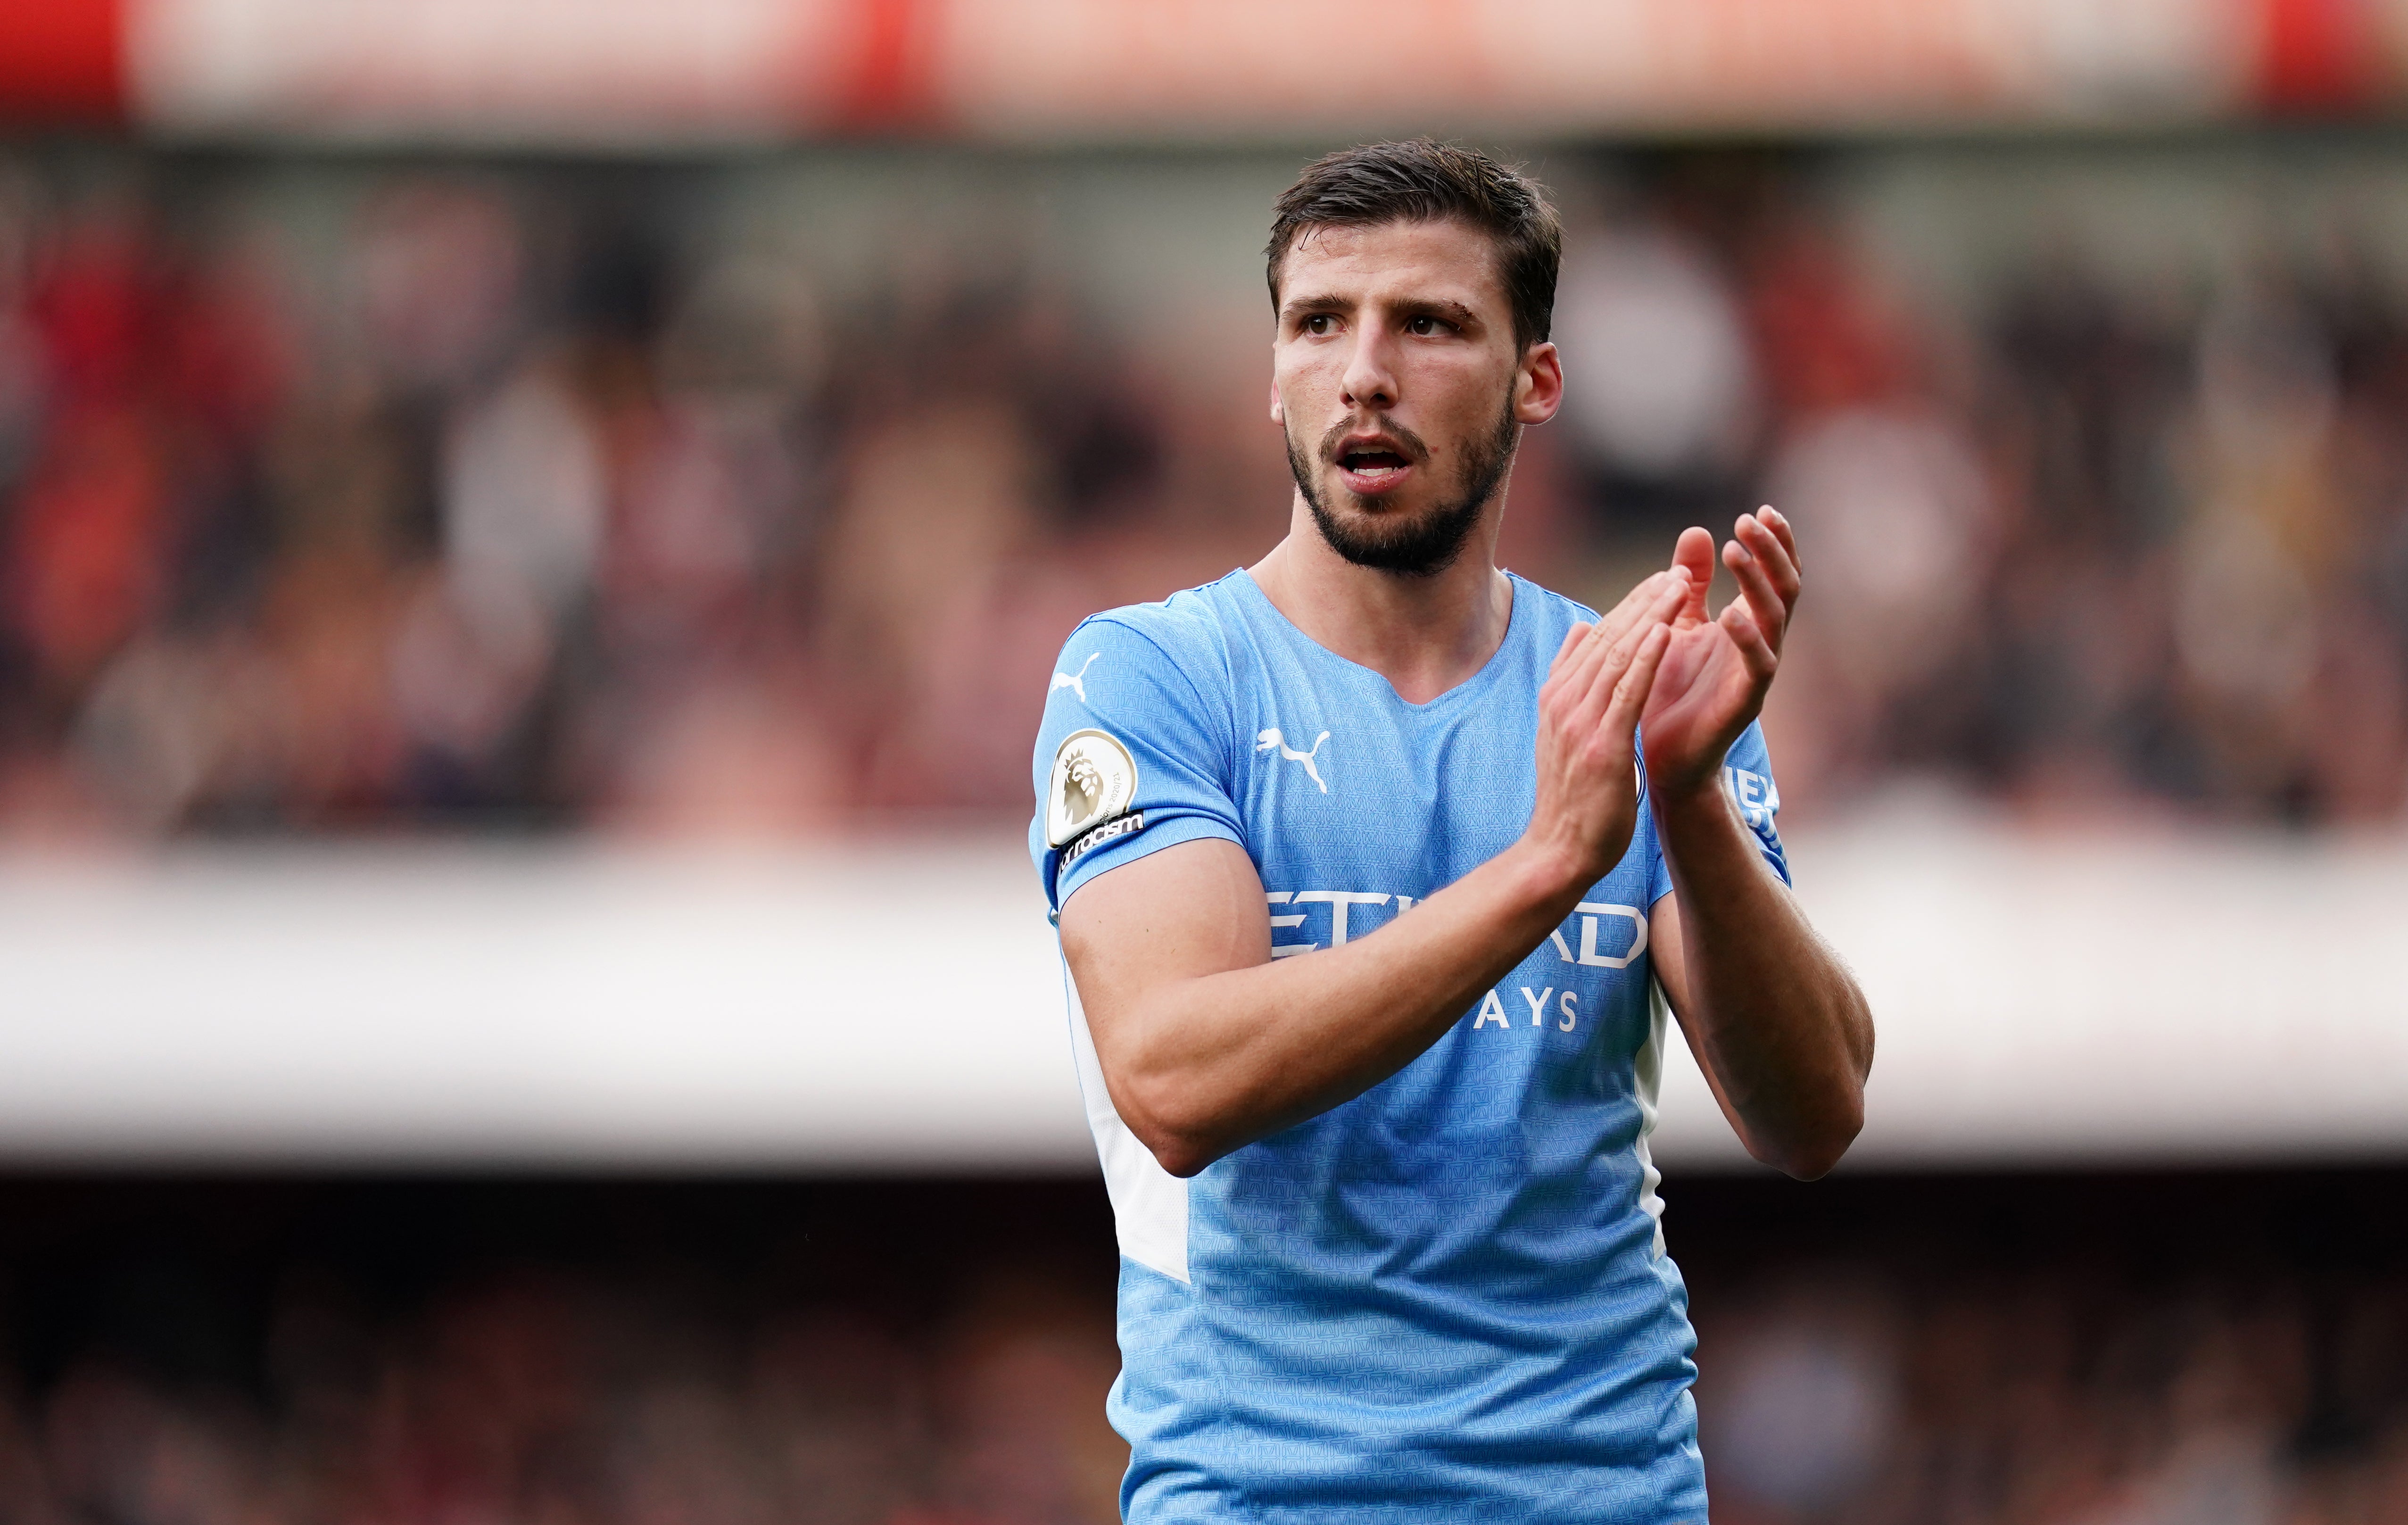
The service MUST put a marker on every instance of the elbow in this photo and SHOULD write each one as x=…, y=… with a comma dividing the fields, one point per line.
x=1162, y=1099
x=1181, y=1158
x=1809, y=1161
x=1163, y=1120
x=1180, y=1153
x=1812, y=1146
x=1809, y=1154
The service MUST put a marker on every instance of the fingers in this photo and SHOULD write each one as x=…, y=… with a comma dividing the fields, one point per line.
x=1646, y=595
x=1564, y=651
x=1637, y=680
x=1610, y=622
x=1694, y=552
x=1768, y=579
x=1754, y=649
x=1576, y=668
x=1614, y=662
x=1777, y=549
x=1778, y=523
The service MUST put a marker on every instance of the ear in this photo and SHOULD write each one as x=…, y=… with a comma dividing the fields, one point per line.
x=1278, y=408
x=1537, y=384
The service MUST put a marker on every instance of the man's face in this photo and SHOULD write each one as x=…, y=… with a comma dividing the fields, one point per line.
x=1397, y=379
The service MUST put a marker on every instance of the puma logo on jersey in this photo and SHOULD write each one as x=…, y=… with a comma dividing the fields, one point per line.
x=1076, y=682
x=1271, y=738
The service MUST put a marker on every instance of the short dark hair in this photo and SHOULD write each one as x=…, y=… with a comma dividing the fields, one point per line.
x=1423, y=180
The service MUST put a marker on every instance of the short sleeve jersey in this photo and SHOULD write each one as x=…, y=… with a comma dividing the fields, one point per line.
x=1448, y=1298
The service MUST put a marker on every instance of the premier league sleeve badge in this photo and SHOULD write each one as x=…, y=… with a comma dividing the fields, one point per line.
x=1094, y=781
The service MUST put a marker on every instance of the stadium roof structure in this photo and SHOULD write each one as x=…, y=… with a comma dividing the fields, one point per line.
x=664, y=73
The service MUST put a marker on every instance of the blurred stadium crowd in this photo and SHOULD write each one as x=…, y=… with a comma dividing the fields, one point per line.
x=2060, y=1397
x=1943, y=1372
x=532, y=497
x=502, y=500
x=502, y=513
x=560, y=1401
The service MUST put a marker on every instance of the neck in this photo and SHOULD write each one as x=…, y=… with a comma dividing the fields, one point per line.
x=1423, y=634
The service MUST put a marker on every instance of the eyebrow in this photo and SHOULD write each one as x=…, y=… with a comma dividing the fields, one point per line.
x=1328, y=302
x=1414, y=307
x=1454, y=312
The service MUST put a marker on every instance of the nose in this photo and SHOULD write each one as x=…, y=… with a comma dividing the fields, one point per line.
x=1371, y=379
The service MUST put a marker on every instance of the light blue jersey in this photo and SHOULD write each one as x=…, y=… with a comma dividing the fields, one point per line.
x=1448, y=1298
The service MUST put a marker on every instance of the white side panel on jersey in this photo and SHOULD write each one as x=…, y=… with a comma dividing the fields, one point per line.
x=1149, y=1203
x=1647, y=1074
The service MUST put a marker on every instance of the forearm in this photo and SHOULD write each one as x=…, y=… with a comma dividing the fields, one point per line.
x=1203, y=1065
x=1776, y=1020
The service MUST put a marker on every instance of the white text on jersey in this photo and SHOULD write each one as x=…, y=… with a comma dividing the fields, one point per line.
x=1599, y=923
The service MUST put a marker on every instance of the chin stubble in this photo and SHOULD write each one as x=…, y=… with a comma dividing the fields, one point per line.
x=1426, y=545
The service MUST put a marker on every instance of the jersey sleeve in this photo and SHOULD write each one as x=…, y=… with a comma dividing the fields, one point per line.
x=1133, y=757
x=1747, y=778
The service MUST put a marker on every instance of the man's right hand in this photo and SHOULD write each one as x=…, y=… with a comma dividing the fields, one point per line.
x=1588, y=714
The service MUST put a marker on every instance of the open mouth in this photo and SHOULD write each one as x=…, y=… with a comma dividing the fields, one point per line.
x=1370, y=467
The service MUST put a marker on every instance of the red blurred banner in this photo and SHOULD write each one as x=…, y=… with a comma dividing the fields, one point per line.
x=2320, y=57
x=62, y=61
x=638, y=71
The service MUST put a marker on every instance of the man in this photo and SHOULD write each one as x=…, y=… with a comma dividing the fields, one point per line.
x=1363, y=897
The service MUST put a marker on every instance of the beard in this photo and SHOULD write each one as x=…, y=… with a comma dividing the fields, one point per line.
x=1421, y=546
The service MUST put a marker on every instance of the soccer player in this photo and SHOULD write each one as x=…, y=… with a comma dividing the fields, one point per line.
x=1375, y=868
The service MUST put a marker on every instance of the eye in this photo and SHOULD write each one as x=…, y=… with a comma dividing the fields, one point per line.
x=1425, y=326
x=1319, y=324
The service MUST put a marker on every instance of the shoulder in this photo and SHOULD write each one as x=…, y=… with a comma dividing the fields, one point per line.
x=1188, y=621
x=1548, y=614
x=1186, y=634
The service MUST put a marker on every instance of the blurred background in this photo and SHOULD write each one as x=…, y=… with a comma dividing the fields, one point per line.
x=532, y=538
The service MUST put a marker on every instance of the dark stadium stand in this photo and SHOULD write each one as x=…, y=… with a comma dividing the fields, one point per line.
x=2074, y=1347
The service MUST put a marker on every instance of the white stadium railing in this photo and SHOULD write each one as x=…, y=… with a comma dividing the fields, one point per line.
x=897, y=1005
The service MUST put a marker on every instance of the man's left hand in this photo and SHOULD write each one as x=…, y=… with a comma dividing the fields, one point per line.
x=1716, y=672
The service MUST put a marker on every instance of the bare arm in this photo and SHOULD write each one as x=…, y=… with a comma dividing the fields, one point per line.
x=1774, y=1018
x=1207, y=1044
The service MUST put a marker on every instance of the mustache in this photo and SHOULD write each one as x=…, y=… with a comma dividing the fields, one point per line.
x=1414, y=447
